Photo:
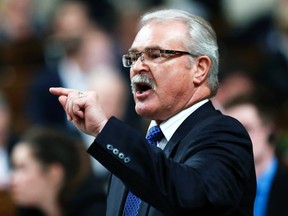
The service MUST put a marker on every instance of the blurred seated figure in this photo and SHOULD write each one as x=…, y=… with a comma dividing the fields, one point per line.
x=272, y=176
x=52, y=177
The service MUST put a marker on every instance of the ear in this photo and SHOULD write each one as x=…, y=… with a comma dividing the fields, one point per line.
x=202, y=64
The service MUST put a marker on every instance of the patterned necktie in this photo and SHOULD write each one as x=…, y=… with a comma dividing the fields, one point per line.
x=132, y=204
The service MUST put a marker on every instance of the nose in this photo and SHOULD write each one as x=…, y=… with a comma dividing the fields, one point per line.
x=141, y=57
x=139, y=66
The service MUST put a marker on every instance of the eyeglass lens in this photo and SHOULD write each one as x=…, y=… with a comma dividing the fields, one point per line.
x=147, y=55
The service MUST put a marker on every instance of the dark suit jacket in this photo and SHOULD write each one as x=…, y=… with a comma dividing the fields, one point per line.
x=207, y=167
x=278, y=196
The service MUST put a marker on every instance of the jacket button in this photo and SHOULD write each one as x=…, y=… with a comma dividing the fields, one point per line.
x=121, y=156
x=115, y=151
x=127, y=159
x=109, y=147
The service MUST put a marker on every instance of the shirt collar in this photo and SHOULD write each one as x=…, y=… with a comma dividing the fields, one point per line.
x=169, y=126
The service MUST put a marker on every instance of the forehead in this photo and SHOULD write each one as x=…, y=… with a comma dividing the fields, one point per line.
x=161, y=34
x=22, y=149
x=22, y=153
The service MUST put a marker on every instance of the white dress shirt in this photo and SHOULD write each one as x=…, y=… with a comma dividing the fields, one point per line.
x=169, y=126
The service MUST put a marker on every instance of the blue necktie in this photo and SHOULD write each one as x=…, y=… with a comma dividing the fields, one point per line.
x=132, y=204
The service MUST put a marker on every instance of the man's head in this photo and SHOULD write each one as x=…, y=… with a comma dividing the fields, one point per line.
x=177, y=64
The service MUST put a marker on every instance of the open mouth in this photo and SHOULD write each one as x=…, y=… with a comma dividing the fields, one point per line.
x=141, y=83
x=142, y=87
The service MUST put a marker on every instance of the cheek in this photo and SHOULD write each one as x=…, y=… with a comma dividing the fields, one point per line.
x=175, y=86
x=258, y=137
x=259, y=141
x=27, y=188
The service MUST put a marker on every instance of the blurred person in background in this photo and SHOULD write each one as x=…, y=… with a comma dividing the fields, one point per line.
x=112, y=88
x=74, y=48
x=113, y=94
x=274, y=43
x=20, y=54
x=16, y=20
x=52, y=177
x=65, y=29
x=272, y=176
x=235, y=80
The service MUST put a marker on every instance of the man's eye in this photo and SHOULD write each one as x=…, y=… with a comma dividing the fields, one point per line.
x=136, y=56
x=154, y=55
x=133, y=57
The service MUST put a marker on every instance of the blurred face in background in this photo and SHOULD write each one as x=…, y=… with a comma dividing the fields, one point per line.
x=71, y=20
x=259, y=132
x=111, y=89
x=16, y=18
x=31, y=183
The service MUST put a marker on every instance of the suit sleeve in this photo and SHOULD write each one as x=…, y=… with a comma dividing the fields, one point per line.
x=207, y=172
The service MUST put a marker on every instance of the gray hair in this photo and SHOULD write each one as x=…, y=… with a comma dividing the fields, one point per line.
x=201, y=38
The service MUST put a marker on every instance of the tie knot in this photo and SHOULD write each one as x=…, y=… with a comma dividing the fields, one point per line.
x=154, y=135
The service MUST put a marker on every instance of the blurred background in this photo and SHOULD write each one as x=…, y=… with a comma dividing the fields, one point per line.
x=75, y=43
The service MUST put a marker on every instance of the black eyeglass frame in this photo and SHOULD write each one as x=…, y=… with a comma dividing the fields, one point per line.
x=140, y=54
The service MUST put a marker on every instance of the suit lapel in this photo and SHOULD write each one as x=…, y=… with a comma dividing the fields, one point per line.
x=195, y=118
x=116, y=197
x=118, y=193
x=144, y=207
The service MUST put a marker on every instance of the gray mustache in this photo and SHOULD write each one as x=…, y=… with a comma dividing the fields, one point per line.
x=142, y=78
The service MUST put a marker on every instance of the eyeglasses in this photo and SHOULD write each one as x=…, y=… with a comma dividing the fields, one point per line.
x=150, y=55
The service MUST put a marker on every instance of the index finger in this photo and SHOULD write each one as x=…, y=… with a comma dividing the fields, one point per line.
x=60, y=91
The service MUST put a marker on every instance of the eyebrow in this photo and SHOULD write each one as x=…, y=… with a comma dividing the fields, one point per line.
x=155, y=47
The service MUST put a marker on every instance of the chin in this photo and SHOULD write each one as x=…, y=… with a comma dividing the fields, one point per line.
x=141, y=111
x=147, y=113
